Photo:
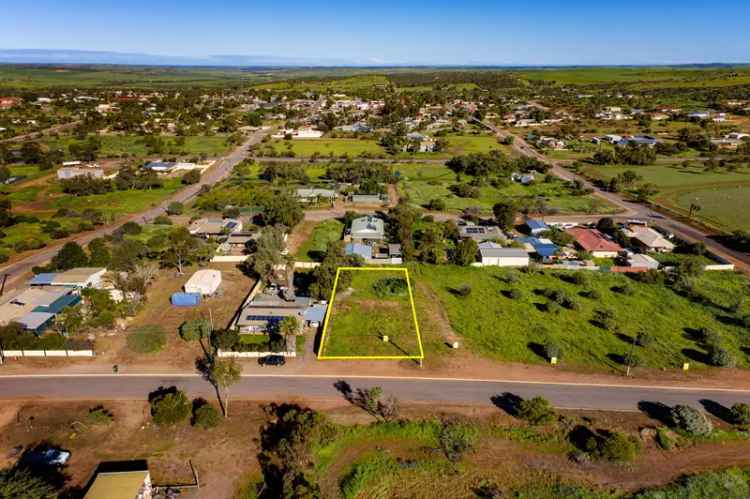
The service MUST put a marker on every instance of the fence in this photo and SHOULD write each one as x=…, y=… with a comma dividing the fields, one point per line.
x=46, y=353
x=254, y=355
x=229, y=258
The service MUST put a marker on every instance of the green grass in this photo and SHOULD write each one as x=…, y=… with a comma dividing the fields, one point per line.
x=345, y=84
x=722, y=195
x=315, y=247
x=359, y=319
x=425, y=182
x=147, y=339
x=323, y=147
x=506, y=329
x=134, y=145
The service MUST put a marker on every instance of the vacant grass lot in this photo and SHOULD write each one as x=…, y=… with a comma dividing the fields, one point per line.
x=360, y=319
x=324, y=147
x=314, y=248
x=722, y=195
x=134, y=145
x=500, y=327
x=425, y=182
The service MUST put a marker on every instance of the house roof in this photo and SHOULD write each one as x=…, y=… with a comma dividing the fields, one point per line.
x=78, y=275
x=481, y=232
x=640, y=260
x=125, y=485
x=592, y=240
x=316, y=313
x=362, y=250
x=313, y=192
x=35, y=320
x=42, y=279
x=496, y=251
x=368, y=226
x=543, y=247
x=536, y=225
x=650, y=238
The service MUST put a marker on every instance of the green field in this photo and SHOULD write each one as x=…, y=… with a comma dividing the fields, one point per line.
x=646, y=77
x=324, y=147
x=513, y=329
x=315, y=247
x=134, y=145
x=425, y=182
x=722, y=195
x=360, y=318
x=120, y=203
x=344, y=84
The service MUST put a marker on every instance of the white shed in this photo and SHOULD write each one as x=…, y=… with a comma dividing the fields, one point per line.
x=205, y=282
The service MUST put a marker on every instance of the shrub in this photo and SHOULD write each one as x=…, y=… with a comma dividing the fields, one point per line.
x=456, y=439
x=605, y=318
x=692, y=421
x=390, y=287
x=464, y=291
x=130, y=228
x=720, y=357
x=162, y=220
x=536, y=411
x=191, y=177
x=644, y=339
x=663, y=439
x=99, y=416
x=175, y=208
x=592, y=294
x=552, y=349
x=624, y=290
x=515, y=294
x=618, y=447
x=708, y=337
x=147, y=339
x=741, y=413
x=170, y=408
x=436, y=205
x=206, y=416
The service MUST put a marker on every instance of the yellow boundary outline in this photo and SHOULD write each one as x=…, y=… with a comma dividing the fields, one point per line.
x=368, y=357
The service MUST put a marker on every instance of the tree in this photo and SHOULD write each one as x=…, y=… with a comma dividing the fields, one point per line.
x=182, y=248
x=618, y=447
x=19, y=482
x=195, y=330
x=552, y=350
x=289, y=326
x=169, y=407
x=691, y=420
x=223, y=374
x=175, y=208
x=191, y=177
x=206, y=416
x=694, y=208
x=741, y=414
x=70, y=256
x=721, y=357
x=536, y=411
x=644, y=192
x=466, y=252
x=100, y=255
x=505, y=214
x=268, y=254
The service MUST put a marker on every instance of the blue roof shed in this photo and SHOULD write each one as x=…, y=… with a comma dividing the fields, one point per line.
x=362, y=250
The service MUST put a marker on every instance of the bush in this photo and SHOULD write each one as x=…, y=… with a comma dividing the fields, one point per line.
x=592, y=294
x=741, y=414
x=618, y=447
x=175, y=208
x=644, y=339
x=170, y=407
x=206, y=416
x=162, y=220
x=720, y=357
x=147, y=339
x=99, y=416
x=464, y=291
x=605, y=318
x=436, y=205
x=692, y=421
x=390, y=287
x=191, y=177
x=515, y=294
x=552, y=349
x=536, y=411
x=708, y=337
x=456, y=439
x=663, y=439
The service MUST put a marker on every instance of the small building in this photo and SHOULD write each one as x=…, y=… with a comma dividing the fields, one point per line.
x=641, y=261
x=552, y=143
x=300, y=133
x=594, y=242
x=315, y=194
x=369, y=199
x=168, y=166
x=492, y=254
x=35, y=308
x=80, y=277
x=315, y=315
x=481, y=233
x=266, y=310
x=69, y=172
x=536, y=227
x=545, y=249
x=367, y=229
x=359, y=249
x=646, y=238
x=214, y=227
x=204, y=281
x=121, y=481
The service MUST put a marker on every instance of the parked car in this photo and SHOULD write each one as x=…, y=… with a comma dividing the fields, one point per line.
x=272, y=360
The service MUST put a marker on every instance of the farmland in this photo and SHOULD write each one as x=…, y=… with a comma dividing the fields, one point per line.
x=326, y=147
x=513, y=326
x=721, y=195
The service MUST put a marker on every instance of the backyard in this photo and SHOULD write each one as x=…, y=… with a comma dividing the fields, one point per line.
x=314, y=247
x=510, y=315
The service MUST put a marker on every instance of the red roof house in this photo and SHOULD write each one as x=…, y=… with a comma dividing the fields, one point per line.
x=594, y=242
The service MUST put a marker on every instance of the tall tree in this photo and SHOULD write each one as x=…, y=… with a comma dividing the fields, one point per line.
x=71, y=255
x=505, y=214
x=182, y=248
x=223, y=374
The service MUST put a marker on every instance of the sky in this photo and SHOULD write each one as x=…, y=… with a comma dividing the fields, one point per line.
x=458, y=32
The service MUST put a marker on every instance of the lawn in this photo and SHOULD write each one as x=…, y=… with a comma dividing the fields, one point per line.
x=722, y=195
x=361, y=317
x=425, y=182
x=314, y=248
x=325, y=147
x=513, y=329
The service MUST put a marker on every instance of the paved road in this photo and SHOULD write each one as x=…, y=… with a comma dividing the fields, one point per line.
x=419, y=390
x=46, y=131
x=219, y=171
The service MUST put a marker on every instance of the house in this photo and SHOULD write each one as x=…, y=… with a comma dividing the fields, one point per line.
x=169, y=166
x=545, y=249
x=376, y=253
x=300, y=133
x=9, y=102
x=36, y=308
x=315, y=315
x=69, y=172
x=128, y=482
x=523, y=178
x=358, y=127
x=204, y=281
x=611, y=139
x=551, y=143
x=212, y=227
x=648, y=239
x=639, y=140
x=315, y=194
x=367, y=229
x=699, y=115
x=481, y=233
x=492, y=254
x=267, y=309
x=594, y=242
x=359, y=249
x=79, y=277
x=641, y=261
x=536, y=227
